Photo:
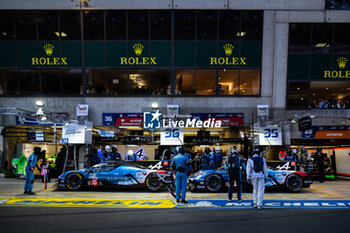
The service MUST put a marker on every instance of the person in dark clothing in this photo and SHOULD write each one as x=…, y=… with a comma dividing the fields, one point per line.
x=332, y=103
x=290, y=156
x=61, y=157
x=319, y=160
x=205, y=159
x=114, y=155
x=233, y=165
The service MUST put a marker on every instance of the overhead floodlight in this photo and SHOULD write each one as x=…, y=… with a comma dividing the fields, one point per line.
x=293, y=121
x=39, y=103
x=44, y=118
x=40, y=112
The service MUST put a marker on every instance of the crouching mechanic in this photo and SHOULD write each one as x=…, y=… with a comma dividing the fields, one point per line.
x=180, y=165
x=32, y=160
x=256, y=175
x=233, y=165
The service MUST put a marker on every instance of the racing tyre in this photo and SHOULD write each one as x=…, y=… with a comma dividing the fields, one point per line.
x=294, y=183
x=74, y=181
x=213, y=183
x=153, y=182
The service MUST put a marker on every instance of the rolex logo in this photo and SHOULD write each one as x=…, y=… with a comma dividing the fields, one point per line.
x=138, y=49
x=48, y=49
x=342, y=62
x=228, y=49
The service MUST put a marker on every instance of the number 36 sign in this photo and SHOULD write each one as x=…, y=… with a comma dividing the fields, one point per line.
x=172, y=137
x=270, y=135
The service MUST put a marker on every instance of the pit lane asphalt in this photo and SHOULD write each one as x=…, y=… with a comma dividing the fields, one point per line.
x=39, y=219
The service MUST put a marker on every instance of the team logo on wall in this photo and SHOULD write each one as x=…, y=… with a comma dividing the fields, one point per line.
x=228, y=49
x=48, y=49
x=49, y=61
x=151, y=120
x=228, y=61
x=342, y=62
x=335, y=74
x=138, y=49
x=138, y=60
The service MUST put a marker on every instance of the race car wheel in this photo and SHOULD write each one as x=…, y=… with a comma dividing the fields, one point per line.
x=294, y=183
x=213, y=183
x=74, y=181
x=153, y=182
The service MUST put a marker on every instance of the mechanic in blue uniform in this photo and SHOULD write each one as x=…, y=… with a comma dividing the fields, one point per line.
x=98, y=157
x=217, y=157
x=130, y=156
x=189, y=165
x=205, y=159
x=180, y=165
x=31, y=164
x=233, y=166
x=290, y=156
x=114, y=155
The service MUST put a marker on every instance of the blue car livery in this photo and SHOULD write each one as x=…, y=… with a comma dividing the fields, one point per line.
x=280, y=174
x=116, y=173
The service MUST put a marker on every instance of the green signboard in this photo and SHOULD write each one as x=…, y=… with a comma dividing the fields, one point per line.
x=298, y=67
x=94, y=53
x=207, y=54
x=8, y=54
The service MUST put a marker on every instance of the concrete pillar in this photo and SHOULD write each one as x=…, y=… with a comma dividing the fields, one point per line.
x=268, y=52
x=280, y=65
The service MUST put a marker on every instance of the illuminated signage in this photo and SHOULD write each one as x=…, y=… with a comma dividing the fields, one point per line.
x=228, y=48
x=341, y=73
x=49, y=61
x=138, y=60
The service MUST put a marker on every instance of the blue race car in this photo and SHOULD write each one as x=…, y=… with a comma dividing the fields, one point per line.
x=118, y=173
x=285, y=175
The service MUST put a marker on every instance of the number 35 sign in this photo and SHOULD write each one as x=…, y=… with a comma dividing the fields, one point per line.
x=270, y=135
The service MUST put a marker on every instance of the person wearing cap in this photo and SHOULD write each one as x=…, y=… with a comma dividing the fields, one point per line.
x=31, y=164
x=233, y=165
x=256, y=175
x=217, y=157
x=130, y=156
x=205, y=159
x=180, y=165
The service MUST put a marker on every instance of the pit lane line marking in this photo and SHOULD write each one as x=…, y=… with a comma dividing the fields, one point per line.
x=45, y=190
x=141, y=203
x=106, y=203
x=323, y=193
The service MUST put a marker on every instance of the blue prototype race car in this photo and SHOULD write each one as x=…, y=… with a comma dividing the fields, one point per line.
x=116, y=173
x=280, y=174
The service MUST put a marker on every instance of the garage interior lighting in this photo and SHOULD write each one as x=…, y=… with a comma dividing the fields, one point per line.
x=322, y=45
x=240, y=34
x=62, y=34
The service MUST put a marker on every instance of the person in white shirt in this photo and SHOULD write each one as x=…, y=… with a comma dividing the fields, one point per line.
x=256, y=175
